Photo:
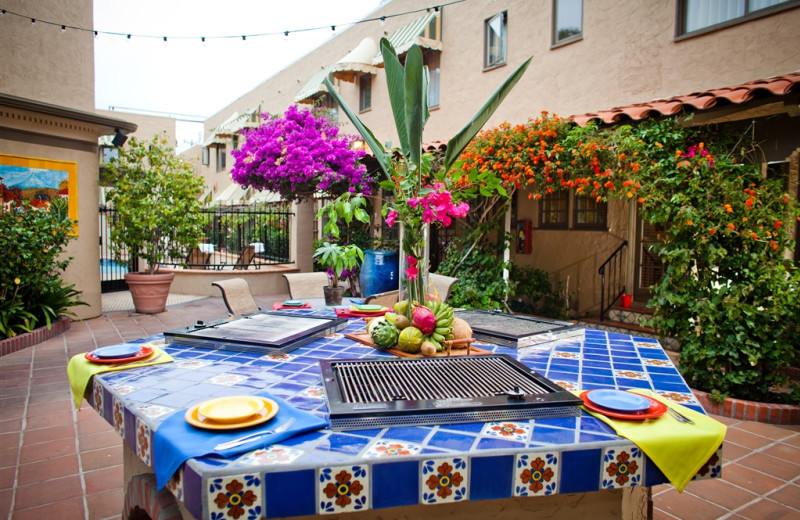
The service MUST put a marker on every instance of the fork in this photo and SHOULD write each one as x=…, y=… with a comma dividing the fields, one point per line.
x=678, y=416
x=247, y=438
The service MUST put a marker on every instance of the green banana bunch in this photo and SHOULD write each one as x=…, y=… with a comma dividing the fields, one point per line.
x=444, y=323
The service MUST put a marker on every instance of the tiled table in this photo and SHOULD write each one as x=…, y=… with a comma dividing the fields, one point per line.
x=326, y=472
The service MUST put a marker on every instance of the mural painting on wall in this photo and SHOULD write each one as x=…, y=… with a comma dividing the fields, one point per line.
x=39, y=182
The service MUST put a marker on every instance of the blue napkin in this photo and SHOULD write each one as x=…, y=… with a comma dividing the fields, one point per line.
x=175, y=441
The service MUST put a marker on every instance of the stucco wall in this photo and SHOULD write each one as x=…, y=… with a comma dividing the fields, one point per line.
x=41, y=61
x=148, y=126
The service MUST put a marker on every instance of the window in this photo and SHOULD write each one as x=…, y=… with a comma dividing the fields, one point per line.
x=590, y=214
x=554, y=210
x=205, y=156
x=364, y=92
x=495, y=29
x=432, y=62
x=697, y=15
x=220, y=158
x=567, y=21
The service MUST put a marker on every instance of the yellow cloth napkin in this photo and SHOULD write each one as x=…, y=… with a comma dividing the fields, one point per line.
x=679, y=450
x=80, y=370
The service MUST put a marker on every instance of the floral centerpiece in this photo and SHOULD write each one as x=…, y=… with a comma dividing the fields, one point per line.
x=421, y=194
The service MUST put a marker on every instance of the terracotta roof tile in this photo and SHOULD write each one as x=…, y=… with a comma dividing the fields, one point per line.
x=735, y=94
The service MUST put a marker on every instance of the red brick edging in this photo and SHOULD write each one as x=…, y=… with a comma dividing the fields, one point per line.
x=750, y=410
x=21, y=341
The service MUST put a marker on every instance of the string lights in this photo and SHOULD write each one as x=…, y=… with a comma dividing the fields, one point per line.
x=243, y=37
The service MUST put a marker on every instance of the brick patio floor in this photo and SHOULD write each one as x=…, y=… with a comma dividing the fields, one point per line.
x=78, y=456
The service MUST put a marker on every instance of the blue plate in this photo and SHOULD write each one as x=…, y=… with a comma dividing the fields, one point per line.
x=618, y=401
x=294, y=303
x=116, y=351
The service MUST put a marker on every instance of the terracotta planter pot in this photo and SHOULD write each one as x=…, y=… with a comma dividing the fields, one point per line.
x=149, y=291
x=333, y=295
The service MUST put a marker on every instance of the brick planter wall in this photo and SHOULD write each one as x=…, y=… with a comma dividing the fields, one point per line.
x=751, y=410
x=21, y=341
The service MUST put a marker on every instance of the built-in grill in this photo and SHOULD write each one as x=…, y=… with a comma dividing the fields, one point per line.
x=370, y=393
x=514, y=330
x=266, y=332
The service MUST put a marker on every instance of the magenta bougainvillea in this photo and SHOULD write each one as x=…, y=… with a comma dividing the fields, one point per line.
x=299, y=154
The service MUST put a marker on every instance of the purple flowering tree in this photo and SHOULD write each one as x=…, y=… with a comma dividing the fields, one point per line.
x=299, y=154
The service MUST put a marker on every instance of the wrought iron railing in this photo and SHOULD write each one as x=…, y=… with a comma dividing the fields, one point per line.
x=612, y=278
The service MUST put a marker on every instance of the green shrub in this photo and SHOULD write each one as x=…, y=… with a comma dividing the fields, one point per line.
x=479, y=272
x=534, y=293
x=32, y=292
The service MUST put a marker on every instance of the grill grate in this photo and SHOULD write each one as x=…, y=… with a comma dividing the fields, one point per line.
x=369, y=393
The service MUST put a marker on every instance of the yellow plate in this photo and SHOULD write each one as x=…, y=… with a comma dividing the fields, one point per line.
x=267, y=412
x=230, y=409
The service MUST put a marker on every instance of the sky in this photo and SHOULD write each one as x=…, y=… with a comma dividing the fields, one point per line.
x=190, y=79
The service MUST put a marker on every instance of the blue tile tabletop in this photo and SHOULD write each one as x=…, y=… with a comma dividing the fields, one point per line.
x=342, y=471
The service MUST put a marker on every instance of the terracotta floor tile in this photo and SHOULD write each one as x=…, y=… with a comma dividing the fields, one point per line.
x=784, y=452
x=722, y=493
x=48, y=469
x=769, y=510
x=744, y=438
x=95, y=441
x=794, y=441
x=37, y=409
x=684, y=505
x=658, y=514
x=7, y=476
x=9, y=440
x=50, y=419
x=47, y=450
x=5, y=502
x=72, y=508
x=15, y=412
x=104, y=479
x=789, y=495
x=732, y=451
x=107, y=505
x=61, y=397
x=49, y=434
x=57, y=490
x=50, y=387
x=772, y=466
x=750, y=479
x=765, y=430
x=19, y=391
x=8, y=457
x=11, y=425
x=103, y=458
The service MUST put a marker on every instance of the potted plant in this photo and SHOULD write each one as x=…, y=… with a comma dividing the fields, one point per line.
x=155, y=195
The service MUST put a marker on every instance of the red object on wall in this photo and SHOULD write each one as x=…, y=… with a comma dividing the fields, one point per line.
x=524, y=245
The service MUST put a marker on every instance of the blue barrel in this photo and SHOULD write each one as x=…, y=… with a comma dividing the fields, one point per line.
x=379, y=272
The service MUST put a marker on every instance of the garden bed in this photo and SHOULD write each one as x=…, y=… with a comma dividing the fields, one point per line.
x=21, y=341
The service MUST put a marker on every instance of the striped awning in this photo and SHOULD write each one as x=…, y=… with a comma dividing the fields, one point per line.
x=409, y=35
x=357, y=62
x=314, y=86
x=231, y=195
x=236, y=122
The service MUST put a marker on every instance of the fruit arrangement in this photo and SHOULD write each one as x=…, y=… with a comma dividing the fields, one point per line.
x=431, y=325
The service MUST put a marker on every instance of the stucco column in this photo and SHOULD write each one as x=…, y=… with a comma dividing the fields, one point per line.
x=303, y=235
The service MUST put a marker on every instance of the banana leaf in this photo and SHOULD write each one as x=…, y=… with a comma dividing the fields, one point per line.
x=414, y=109
x=460, y=141
x=396, y=81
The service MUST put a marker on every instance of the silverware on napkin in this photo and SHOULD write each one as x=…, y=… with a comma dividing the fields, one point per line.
x=678, y=416
x=247, y=438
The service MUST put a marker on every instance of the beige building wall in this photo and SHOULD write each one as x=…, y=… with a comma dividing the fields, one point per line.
x=148, y=125
x=628, y=54
x=42, y=62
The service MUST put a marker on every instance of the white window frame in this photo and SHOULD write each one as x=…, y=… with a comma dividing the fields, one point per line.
x=490, y=60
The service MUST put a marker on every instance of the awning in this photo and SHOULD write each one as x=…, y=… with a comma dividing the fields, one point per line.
x=213, y=139
x=357, y=62
x=409, y=35
x=236, y=122
x=265, y=197
x=230, y=195
x=314, y=86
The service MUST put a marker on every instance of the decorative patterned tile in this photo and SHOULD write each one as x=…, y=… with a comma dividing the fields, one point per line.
x=97, y=397
x=237, y=496
x=193, y=364
x=679, y=397
x=315, y=392
x=154, y=411
x=123, y=389
x=444, y=480
x=712, y=468
x=536, y=473
x=567, y=385
x=390, y=448
x=517, y=431
x=270, y=456
x=343, y=489
x=278, y=357
x=657, y=362
x=119, y=416
x=144, y=442
x=622, y=467
x=226, y=379
x=630, y=374
x=175, y=484
x=565, y=355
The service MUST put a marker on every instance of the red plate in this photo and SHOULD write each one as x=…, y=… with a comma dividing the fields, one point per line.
x=657, y=408
x=146, y=351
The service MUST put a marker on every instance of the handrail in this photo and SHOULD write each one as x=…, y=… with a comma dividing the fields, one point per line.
x=616, y=266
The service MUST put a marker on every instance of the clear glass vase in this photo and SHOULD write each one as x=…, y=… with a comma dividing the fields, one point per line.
x=414, y=265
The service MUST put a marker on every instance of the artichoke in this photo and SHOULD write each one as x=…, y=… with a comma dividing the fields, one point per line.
x=384, y=334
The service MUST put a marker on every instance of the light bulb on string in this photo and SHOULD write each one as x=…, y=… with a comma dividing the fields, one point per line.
x=383, y=21
x=96, y=35
x=33, y=21
x=63, y=28
x=286, y=36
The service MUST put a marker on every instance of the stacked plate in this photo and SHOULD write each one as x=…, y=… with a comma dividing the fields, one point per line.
x=231, y=412
x=124, y=353
x=622, y=405
x=293, y=303
x=368, y=310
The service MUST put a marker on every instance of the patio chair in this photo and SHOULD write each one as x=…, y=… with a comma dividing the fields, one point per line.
x=306, y=285
x=387, y=299
x=237, y=296
x=442, y=284
x=246, y=258
x=197, y=259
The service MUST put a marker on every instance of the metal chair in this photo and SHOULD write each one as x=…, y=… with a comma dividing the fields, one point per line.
x=237, y=296
x=246, y=258
x=387, y=299
x=442, y=284
x=306, y=285
x=197, y=259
